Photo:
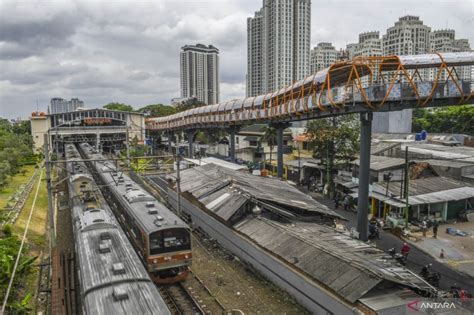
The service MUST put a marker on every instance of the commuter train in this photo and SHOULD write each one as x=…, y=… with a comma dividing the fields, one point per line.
x=112, y=278
x=160, y=237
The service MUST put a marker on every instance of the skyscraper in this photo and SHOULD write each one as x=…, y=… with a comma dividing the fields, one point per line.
x=409, y=36
x=200, y=73
x=278, y=45
x=322, y=56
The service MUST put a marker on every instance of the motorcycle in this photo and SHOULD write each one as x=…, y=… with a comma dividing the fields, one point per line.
x=374, y=232
x=397, y=256
x=430, y=276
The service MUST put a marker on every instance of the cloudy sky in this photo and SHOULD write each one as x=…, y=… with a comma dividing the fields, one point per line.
x=128, y=51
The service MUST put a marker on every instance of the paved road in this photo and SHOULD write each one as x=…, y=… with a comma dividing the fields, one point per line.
x=417, y=258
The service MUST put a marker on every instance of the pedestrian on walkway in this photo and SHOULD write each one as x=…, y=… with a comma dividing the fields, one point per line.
x=405, y=250
x=346, y=202
x=435, y=228
x=424, y=227
x=336, y=201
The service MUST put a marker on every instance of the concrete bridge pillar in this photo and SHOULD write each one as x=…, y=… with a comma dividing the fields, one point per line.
x=364, y=174
x=170, y=136
x=279, y=135
x=190, y=134
x=232, y=133
x=97, y=141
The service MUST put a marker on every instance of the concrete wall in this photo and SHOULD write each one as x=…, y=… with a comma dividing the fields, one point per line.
x=304, y=290
x=136, y=124
x=393, y=122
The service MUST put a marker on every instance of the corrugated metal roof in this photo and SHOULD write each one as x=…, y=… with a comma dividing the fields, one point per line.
x=448, y=163
x=437, y=151
x=421, y=186
x=381, y=163
x=435, y=197
x=202, y=181
x=220, y=162
x=347, y=266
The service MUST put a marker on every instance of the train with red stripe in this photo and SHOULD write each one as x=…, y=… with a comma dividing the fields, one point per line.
x=161, y=238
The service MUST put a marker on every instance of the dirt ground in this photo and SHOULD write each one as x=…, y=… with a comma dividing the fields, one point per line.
x=236, y=285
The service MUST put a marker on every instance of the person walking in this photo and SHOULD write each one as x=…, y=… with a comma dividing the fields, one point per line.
x=424, y=227
x=336, y=201
x=346, y=202
x=435, y=229
x=405, y=250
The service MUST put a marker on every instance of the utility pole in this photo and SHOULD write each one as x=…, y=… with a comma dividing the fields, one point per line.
x=364, y=173
x=127, y=144
x=50, y=194
x=407, y=178
x=178, y=177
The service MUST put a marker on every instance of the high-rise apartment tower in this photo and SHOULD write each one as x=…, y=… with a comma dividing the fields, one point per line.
x=278, y=45
x=200, y=73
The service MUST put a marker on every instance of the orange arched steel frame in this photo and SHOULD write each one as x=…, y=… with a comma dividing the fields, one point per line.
x=320, y=87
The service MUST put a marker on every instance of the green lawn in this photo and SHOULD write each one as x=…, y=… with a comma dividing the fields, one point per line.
x=37, y=228
x=14, y=183
x=36, y=236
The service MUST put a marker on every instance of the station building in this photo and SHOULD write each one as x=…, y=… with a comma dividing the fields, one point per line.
x=107, y=128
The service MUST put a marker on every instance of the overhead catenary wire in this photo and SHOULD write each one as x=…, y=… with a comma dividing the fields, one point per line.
x=21, y=246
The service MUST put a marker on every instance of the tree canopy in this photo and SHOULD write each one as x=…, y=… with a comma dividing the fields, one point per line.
x=452, y=119
x=334, y=139
x=157, y=110
x=119, y=106
x=16, y=148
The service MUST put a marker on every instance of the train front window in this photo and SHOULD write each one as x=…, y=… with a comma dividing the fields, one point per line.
x=170, y=240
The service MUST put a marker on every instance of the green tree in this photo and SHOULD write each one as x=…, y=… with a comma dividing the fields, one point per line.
x=451, y=119
x=188, y=104
x=270, y=137
x=119, y=106
x=334, y=139
x=157, y=110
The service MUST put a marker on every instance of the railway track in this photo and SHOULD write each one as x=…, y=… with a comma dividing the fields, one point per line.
x=191, y=296
x=63, y=291
x=180, y=300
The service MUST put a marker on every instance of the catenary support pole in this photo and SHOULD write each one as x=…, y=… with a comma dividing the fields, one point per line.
x=364, y=172
x=49, y=191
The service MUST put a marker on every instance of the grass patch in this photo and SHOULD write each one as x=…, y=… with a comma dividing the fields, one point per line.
x=37, y=228
x=36, y=236
x=14, y=183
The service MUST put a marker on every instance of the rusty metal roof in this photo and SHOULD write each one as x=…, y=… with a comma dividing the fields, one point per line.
x=342, y=264
x=202, y=181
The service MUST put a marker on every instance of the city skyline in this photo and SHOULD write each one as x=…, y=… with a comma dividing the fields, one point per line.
x=100, y=54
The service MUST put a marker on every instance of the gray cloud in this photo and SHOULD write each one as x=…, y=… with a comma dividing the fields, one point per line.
x=129, y=51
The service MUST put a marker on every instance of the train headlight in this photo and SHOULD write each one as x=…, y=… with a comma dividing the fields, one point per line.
x=186, y=256
x=155, y=261
x=167, y=258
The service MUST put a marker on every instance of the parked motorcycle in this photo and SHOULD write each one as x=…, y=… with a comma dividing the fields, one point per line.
x=430, y=276
x=374, y=232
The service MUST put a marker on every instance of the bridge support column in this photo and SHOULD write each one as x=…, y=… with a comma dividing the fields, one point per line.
x=190, y=134
x=364, y=173
x=232, y=133
x=97, y=142
x=170, y=136
x=279, y=137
